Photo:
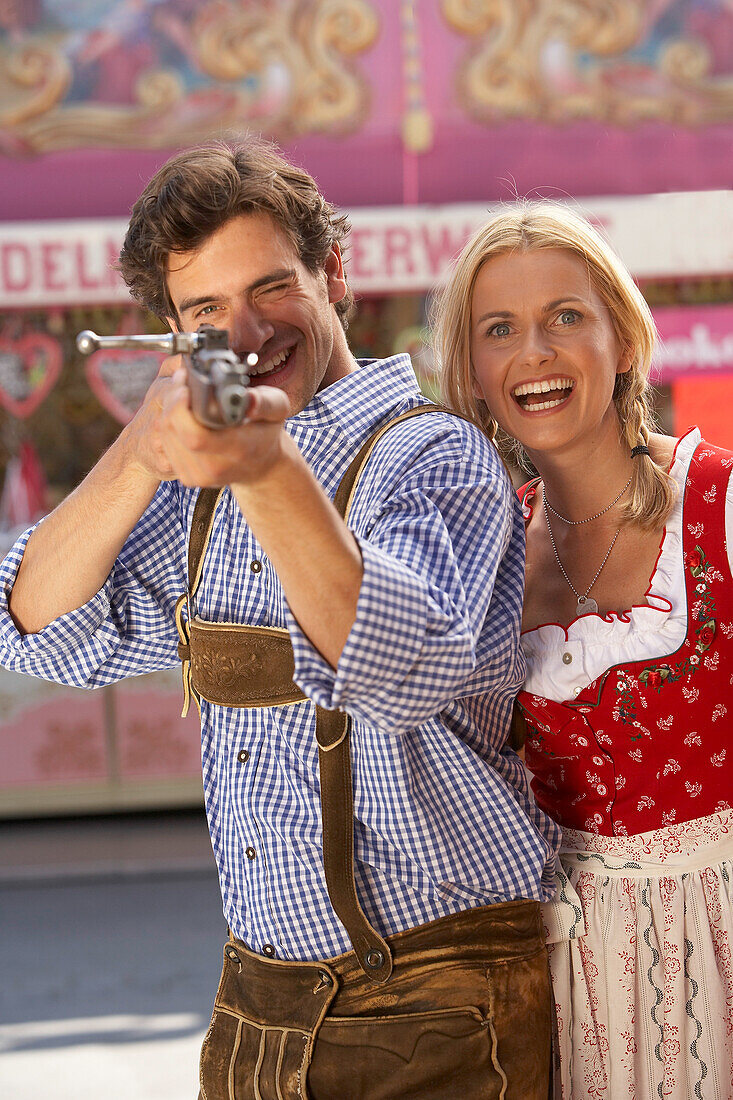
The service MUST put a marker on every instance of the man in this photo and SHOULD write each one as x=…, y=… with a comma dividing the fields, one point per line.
x=405, y=621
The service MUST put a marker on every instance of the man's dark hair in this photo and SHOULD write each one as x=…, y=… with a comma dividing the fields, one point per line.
x=196, y=192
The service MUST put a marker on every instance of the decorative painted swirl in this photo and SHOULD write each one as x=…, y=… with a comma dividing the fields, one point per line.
x=33, y=79
x=561, y=60
x=334, y=96
x=162, y=115
x=605, y=28
x=286, y=70
x=292, y=57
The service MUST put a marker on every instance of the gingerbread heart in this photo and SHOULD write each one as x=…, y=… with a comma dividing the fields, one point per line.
x=120, y=379
x=29, y=367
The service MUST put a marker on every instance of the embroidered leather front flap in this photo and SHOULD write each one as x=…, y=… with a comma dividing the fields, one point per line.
x=242, y=666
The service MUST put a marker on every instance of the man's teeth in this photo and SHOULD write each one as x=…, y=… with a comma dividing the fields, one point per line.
x=271, y=364
x=544, y=387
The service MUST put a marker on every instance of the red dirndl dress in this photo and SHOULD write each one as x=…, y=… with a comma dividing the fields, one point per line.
x=636, y=764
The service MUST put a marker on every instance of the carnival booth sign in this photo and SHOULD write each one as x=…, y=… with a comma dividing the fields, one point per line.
x=695, y=341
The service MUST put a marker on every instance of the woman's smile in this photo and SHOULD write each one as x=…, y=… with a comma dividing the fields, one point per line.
x=549, y=393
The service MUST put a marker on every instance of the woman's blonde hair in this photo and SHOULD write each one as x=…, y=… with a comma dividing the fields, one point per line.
x=531, y=225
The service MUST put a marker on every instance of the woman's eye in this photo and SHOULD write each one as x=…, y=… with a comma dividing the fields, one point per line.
x=568, y=317
x=502, y=329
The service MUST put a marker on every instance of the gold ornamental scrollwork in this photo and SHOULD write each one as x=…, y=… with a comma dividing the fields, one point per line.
x=287, y=70
x=34, y=78
x=565, y=60
x=298, y=53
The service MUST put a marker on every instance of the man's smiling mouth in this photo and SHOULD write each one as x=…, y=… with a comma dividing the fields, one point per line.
x=275, y=363
x=535, y=396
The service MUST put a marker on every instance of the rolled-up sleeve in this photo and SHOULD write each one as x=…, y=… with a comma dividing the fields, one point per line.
x=431, y=550
x=127, y=627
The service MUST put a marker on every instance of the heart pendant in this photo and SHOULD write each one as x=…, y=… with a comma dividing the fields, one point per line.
x=586, y=606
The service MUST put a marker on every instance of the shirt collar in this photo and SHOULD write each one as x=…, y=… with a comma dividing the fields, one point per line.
x=356, y=404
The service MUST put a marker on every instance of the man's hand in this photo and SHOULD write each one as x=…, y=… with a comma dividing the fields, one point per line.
x=200, y=456
x=142, y=436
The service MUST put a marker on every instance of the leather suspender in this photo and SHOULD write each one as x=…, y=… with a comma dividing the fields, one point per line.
x=242, y=666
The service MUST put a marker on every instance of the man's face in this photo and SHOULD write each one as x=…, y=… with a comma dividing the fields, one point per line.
x=249, y=279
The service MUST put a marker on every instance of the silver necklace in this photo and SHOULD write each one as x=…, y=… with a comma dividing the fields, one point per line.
x=585, y=606
x=577, y=522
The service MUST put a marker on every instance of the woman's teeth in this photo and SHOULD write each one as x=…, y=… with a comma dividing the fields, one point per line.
x=270, y=365
x=529, y=394
x=537, y=405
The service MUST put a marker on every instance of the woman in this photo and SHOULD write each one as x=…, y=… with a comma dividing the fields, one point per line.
x=628, y=637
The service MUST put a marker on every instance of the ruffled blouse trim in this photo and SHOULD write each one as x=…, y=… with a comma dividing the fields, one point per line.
x=559, y=658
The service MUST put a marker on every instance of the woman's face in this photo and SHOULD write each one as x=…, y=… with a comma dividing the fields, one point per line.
x=544, y=351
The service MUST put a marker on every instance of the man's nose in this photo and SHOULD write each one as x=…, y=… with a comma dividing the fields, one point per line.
x=249, y=331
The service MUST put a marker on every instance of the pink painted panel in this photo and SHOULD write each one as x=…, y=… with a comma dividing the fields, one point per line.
x=63, y=737
x=441, y=101
x=49, y=734
x=694, y=341
x=153, y=741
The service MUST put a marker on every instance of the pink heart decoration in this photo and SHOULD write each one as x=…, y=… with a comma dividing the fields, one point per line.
x=29, y=368
x=120, y=379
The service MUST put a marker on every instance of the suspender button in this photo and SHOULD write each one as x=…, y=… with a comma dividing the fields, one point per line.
x=324, y=981
x=374, y=959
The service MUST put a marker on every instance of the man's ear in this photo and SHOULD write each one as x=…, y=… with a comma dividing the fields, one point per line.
x=173, y=320
x=335, y=277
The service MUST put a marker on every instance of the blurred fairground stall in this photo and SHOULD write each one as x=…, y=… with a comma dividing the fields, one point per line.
x=416, y=116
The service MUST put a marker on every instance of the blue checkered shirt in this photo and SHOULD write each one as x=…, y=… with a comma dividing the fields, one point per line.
x=444, y=817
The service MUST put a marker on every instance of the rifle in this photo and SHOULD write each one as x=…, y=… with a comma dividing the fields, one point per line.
x=217, y=378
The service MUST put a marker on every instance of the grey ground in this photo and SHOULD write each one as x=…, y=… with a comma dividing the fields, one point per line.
x=110, y=950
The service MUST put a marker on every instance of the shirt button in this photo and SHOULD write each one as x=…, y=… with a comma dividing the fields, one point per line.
x=567, y=658
x=268, y=949
x=576, y=691
x=250, y=853
x=242, y=756
x=256, y=566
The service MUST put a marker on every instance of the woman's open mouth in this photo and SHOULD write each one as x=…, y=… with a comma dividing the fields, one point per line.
x=550, y=393
x=268, y=368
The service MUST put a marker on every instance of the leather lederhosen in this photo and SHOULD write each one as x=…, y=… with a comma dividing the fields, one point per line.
x=262, y=1040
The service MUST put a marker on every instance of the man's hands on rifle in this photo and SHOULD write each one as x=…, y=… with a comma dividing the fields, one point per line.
x=199, y=456
x=143, y=435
